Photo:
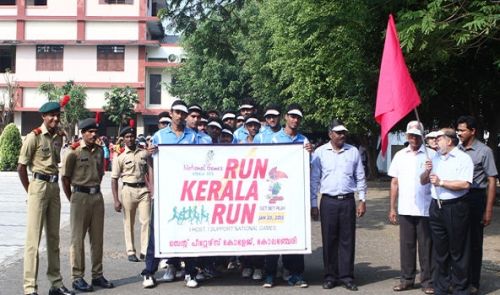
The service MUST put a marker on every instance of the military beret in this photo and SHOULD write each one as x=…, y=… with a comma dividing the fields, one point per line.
x=50, y=106
x=126, y=130
x=87, y=124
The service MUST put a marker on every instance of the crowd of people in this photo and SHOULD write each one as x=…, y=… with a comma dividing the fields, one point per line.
x=442, y=194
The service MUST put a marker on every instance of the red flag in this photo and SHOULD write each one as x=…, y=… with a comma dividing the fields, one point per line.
x=396, y=94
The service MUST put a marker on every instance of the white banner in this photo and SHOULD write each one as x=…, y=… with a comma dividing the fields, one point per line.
x=231, y=200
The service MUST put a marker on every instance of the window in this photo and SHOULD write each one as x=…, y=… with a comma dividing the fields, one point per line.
x=155, y=89
x=7, y=2
x=36, y=2
x=7, y=59
x=116, y=1
x=110, y=58
x=49, y=57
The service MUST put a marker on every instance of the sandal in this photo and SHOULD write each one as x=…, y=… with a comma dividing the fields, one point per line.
x=402, y=287
x=428, y=290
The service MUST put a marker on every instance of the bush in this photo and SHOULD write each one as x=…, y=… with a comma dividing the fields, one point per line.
x=10, y=145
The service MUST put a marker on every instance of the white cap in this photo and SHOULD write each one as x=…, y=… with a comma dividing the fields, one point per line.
x=414, y=127
x=228, y=116
x=252, y=120
x=295, y=112
x=272, y=112
x=431, y=134
x=180, y=107
x=165, y=120
x=215, y=124
x=339, y=128
x=245, y=106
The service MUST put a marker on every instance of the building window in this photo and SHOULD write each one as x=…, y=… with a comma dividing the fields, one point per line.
x=110, y=58
x=155, y=89
x=7, y=2
x=49, y=57
x=116, y=2
x=36, y=2
x=7, y=59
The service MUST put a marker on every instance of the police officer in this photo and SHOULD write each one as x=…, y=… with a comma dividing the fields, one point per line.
x=41, y=153
x=83, y=169
x=131, y=167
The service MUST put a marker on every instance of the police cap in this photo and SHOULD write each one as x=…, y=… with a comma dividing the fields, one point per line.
x=50, y=106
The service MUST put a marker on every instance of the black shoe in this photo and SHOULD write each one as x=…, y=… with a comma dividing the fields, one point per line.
x=60, y=291
x=351, y=286
x=142, y=256
x=102, y=282
x=34, y=293
x=329, y=284
x=133, y=258
x=80, y=285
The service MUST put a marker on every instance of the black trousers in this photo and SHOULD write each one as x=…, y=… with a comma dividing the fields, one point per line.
x=338, y=231
x=450, y=230
x=477, y=203
x=293, y=262
x=415, y=233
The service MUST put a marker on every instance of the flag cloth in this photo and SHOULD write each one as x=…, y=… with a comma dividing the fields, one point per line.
x=396, y=94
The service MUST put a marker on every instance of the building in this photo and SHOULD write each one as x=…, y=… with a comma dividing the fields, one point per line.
x=97, y=43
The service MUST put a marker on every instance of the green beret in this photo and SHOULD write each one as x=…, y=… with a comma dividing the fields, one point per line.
x=86, y=124
x=50, y=106
x=127, y=130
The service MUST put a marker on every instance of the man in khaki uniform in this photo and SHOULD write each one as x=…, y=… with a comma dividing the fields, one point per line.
x=83, y=168
x=131, y=166
x=41, y=153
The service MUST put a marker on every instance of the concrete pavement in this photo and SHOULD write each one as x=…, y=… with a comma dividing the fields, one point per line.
x=376, y=269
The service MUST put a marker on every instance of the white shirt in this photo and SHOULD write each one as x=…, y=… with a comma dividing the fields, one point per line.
x=413, y=198
x=455, y=165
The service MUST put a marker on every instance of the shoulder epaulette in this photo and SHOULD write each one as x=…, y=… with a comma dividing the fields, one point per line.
x=75, y=145
x=37, y=131
x=121, y=150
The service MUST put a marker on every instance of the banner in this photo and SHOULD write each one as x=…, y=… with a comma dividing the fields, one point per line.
x=231, y=200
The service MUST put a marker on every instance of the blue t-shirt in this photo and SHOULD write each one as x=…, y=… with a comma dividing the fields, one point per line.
x=282, y=137
x=265, y=136
x=167, y=136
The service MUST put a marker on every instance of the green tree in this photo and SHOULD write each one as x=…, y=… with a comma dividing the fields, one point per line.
x=10, y=145
x=75, y=109
x=120, y=104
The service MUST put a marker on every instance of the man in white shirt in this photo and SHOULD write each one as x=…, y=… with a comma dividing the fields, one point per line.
x=413, y=201
x=450, y=173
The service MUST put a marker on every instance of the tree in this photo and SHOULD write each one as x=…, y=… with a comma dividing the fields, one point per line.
x=75, y=109
x=10, y=145
x=9, y=100
x=120, y=104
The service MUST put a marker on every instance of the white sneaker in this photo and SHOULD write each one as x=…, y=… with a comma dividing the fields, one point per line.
x=180, y=273
x=169, y=275
x=149, y=282
x=190, y=283
x=285, y=275
x=247, y=272
x=257, y=274
x=163, y=263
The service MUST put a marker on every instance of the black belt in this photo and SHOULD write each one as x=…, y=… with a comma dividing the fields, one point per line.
x=340, y=197
x=137, y=184
x=87, y=189
x=45, y=177
x=452, y=201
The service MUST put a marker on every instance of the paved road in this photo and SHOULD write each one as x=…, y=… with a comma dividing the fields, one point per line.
x=376, y=270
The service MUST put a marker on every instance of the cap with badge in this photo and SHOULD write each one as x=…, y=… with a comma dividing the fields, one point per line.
x=415, y=128
x=179, y=105
x=54, y=106
x=127, y=130
x=87, y=124
x=294, y=109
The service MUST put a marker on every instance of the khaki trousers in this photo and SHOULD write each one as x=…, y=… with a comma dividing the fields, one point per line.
x=133, y=199
x=44, y=209
x=86, y=215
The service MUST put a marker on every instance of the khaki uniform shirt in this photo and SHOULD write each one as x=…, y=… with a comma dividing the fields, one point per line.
x=41, y=151
x=130, y=165
x=85, y=166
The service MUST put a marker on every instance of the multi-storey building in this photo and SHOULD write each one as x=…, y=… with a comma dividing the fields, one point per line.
x=97, y=43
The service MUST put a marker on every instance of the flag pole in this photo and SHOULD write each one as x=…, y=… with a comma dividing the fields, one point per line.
x=433, y=189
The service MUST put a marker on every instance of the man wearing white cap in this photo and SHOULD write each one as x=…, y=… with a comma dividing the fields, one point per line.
x=164, y=120
x=413, y=201
x=450, y=173
x=430, y=140
x=247, y=108
x=272, y=117
x=337, y=173
x=229, y=118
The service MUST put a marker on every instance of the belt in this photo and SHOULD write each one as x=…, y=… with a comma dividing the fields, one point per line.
x=137, y=184
x=452, y=201
x=45, y=177
x=340, y=197
x=87, y=189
